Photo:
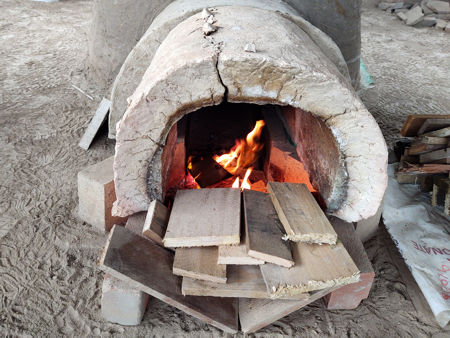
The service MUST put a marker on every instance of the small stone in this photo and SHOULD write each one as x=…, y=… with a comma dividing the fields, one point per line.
x=207, y=28
x=389, y=5
x=250, y=47
x=447, y=28
x=414, y=16
x=206, y=13
x=441, y=24
x=401, y=16
x=440, y=7
x=400, y=10
x=396, y=5
x=96, y=331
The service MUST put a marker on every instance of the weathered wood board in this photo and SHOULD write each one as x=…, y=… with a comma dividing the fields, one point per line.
x=204, y=217
x=156, y=222
x=444, y=132
x=147, y=266
x=264, y=231
x=199, y=263
x=136, y=222
x=254, y=314
x=243, y=281
x=300, y=214
x=236, y=255
x=95, y=124
x=437, y=156
x=414, y=122
x=316, y=267
x=432, y=125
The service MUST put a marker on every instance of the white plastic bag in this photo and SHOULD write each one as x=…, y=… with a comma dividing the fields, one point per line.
x=422, y=235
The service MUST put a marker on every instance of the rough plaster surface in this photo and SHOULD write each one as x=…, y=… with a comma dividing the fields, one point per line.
x=137, y=62
x=290, y=70
x=49, y=280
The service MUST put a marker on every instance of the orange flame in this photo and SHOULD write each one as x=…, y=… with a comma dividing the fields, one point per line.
x=244, y=153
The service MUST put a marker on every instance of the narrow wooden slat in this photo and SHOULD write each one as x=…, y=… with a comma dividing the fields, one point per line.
x=437, y=156
x=300, y=214
x=156, y=222
x=97, y=120
x=204, y=217
x=243, y=281
x=414, y=122
x=148, y=267
x=264, y=231
x=432, y=125
x=445, y=132
x=199, y=263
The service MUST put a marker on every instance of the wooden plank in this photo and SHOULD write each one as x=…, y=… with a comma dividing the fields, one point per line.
x=243, y=281
x=263, y=230
x=199, y=263
x=236, y=255
x=95, y=124
x=148, y=267
x=156, y=222
x=418, y=148
x=437, y=156
x=432, y=125
x=414, y=122
x=300, y=214
x=255, y=314
x=204, y=217
x=136, y=222
x=432, y=140
x=441, y=193
x=445, y=132
x=316, y=267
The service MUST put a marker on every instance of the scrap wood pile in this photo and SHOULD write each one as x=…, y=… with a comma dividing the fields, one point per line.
x=426, y=159
x=227, y=255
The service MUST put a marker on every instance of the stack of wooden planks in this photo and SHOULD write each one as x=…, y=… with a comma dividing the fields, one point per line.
x=427, y=160
x=263, y=255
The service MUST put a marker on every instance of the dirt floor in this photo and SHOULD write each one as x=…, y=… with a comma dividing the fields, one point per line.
x=49, y=281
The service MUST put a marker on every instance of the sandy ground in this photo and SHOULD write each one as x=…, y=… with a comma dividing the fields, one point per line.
x=49, y=282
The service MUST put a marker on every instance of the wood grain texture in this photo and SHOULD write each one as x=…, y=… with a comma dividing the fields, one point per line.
x=264, y=231
x=97, y=120
x=316, y=267
x=204, y=217
x=199, y=263
x=147, y=266
x=432, y=125
x=156, y=222
x=437, y=156
x=444, y=132
x=243, y=281
x=236, y=255
x=254, y=314
x=300, y=214
x=414, y=122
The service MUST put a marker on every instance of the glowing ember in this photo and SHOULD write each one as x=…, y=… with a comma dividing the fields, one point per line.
x=244, y=153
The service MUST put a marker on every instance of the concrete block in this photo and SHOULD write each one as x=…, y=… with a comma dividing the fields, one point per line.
x=414, y=16
x=428, y=21
x=121, y=303
x=401, y=16
x=440, y=7
x=96, y=195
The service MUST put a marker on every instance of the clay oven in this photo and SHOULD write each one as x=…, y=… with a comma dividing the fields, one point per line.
x=228, y=67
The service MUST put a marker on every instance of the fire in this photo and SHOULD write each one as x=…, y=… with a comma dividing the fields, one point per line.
x=244, y=153
x=245, y=182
